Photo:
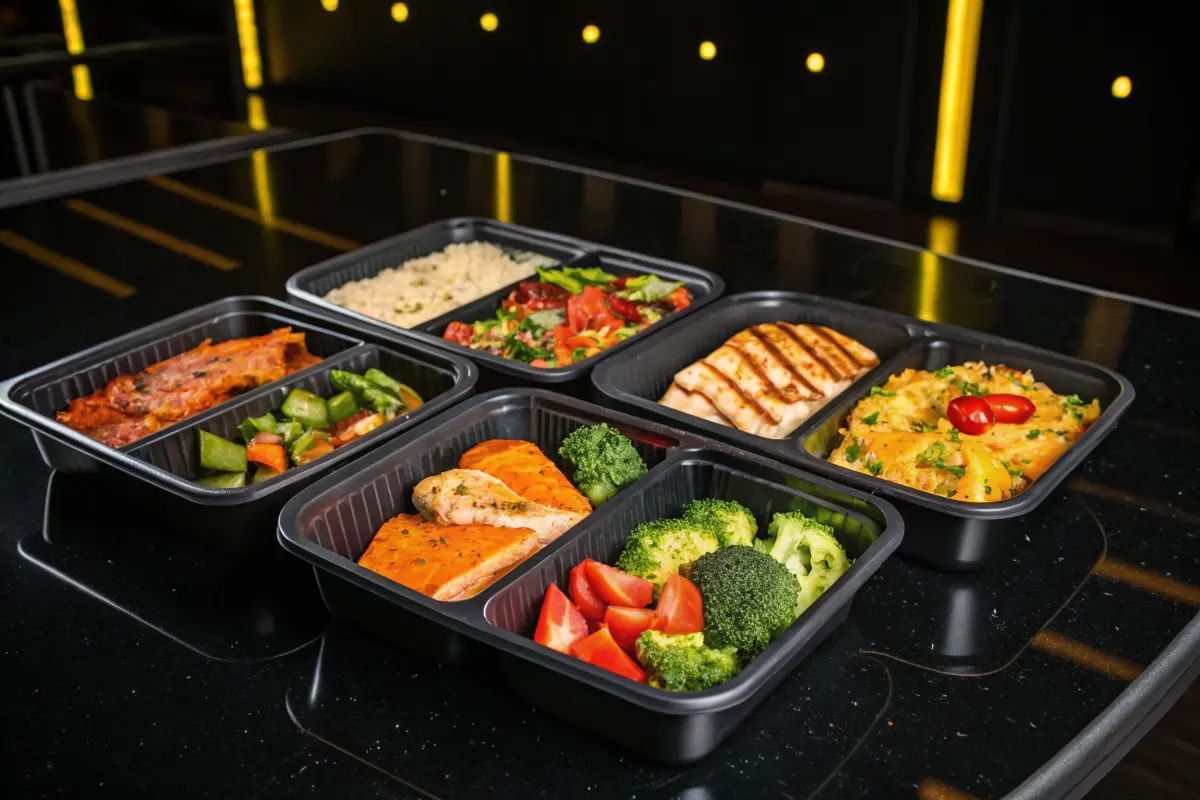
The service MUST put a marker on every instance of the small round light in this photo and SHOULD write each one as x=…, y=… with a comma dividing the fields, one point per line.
x=815, y=62
x=400, y=11
x=1121, y=87
x=591, y=34
x=708, y=51
x=329, y=5
x=489, y=22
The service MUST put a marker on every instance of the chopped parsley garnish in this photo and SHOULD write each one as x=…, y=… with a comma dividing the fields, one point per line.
x=945, y=372
x=987, y=487
x=517, y=350
x=952, y=493
x=877, y=391
x=461, y=489
x=1033, y=434
x=578, y=354
x=852, y=453
x=1063, y=434
x=875, y=468
x=870, y=419
x=973, y=389
x=954, y=437
x=1078, y=415
x=1074, y=400
x=924, y=427
x=1016, y=472
x=933, y=456
x=1024, y=388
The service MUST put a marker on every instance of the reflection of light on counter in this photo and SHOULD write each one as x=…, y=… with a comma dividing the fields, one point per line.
x=958, y=91
x=262, y=187
x=502, y=204
x=1089, y=657
x=591, y=34
x=82, y=78
x=248, y=43
x=815, y=62
x=73, y=34
x=708, y=51
x=933, y=789
x=943, y=238
x=1121, y=87
x=399, y=11
x=329, y=5
x=489, y=22
x=1180, y=592
x=256, y=112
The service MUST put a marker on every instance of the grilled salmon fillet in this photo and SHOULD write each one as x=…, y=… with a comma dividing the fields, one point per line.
x=524, y=469
x=472, y=497
x=445, y=562
x=768, y=379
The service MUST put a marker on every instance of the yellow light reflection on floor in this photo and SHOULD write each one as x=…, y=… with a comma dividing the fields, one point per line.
x=489, y=22
x=708, y=51
x=958, y=92
x=933, y=789
x=81, y=76
x=1121, y=87
x=1096, y=660
x=73, y=35
x=68, y=266
x=399, y=11
x=262, y=188
x=247, y=31
x=256, y=112
x=329, y=5
x=502, y=203
x=1147, y=580
x=815, y=62
x=942, y=238
x=591, y=34
x=152, y=235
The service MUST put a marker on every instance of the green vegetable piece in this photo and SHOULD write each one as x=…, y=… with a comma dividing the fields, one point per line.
x=539, y=322
x=252, y=425
x=875, y=468
x=734, y=522
x=648, y=288
x=408, y=396
x=811, y=551
x=574, y=279
x=682, y=662
x=223, y=480
x=221, y=455
x=306, y=408
x=749, y=598
x=870, y=419
x=517, y=350
x=290, y=431
x=578, y=354
x=341, y=406
x=302, y=443
x=878, y=391
x=945, y=372
x=605, y=461
x=658, y=549
x=384, y=402
x=263, y=473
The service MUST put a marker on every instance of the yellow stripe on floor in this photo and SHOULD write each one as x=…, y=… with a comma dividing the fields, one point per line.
x=67, y=266
x=1097, y=660
x=142, y=231
x=246, y=212
x=1183, y=593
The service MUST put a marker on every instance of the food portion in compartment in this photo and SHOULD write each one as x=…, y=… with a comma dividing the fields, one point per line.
x=133, y=406
x=504, y=501
x=569, y=314
x=769, y=379
x=968, y=432
x=423, y=288
x=306, y=428
x=720, y=594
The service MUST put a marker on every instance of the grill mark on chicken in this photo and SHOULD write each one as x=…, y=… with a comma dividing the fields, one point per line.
x=797, y=332
x=764, y=334
x=823, y=333
x=725, y=379
x=844, y=343
x=711, y=405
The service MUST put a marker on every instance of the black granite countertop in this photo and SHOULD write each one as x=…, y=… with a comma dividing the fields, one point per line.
x=139, y=664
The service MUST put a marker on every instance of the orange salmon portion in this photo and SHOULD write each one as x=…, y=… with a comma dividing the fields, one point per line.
x=524, y=469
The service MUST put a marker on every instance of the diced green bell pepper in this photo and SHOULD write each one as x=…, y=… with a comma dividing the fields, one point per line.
x=384, y=402
x=224, y=480
x=306, y=408
x=263, y=473
x=252, y=425
x=404, y=392
x=289, y=431
x=341, y=406
x=221, y=455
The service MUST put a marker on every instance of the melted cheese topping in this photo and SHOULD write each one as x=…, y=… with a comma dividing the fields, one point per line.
x=901, y=433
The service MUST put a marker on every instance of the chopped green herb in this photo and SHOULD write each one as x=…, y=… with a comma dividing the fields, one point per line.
x=461, y=489
x=1016, y=472
x=924, y=427
x=973, y=389
x=852, y=453
x=1074, y=400
x=1033, y=434
x=1063, y=434
x=934, y=455
x=945, y=372
x=1078, y=415
x=877, y=391
x=875, y=468
x=954, y=437
x=870, y=419
x=579, y=353
x=1024, y=388
x=1026, y=460
x=952, y=493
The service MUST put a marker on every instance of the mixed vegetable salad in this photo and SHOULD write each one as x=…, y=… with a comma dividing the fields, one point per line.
x=307, y=428
x=723, y=594
x=569, y=314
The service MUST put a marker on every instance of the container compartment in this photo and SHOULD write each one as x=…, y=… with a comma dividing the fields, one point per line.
x=639, y=378
x=953, y=534
x=678, y=727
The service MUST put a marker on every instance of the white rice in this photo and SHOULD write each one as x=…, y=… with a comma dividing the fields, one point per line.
x=423, y=288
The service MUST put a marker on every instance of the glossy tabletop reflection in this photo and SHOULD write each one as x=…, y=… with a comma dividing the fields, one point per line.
x=129, y=672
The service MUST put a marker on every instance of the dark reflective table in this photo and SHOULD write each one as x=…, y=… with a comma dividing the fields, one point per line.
x=975, y=684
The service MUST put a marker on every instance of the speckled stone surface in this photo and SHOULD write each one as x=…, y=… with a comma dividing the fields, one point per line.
x=137, y=664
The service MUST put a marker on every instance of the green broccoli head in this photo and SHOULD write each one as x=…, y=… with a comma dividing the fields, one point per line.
x=732, y=519
x=682, y=662
x=604, y=461
x=655, y=550
x=749, y=598
x=810, y=551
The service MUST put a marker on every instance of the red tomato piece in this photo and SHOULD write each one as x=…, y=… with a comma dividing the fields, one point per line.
x=582, y=308
x=627, y=624
x=560, y=625
x=596, y=625
x=601, y=650
x=459, y=333
x=538, y=295
x=1011, y=408
x=971, y=415
x=619, y=588
x=680, y=299
x=539, y=362
x=617, y=284
x=680, y=607
x=585, y=597
x=626, y=308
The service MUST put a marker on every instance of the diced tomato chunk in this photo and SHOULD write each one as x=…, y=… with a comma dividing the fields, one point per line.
x=627, y=624
x=601, y=650
x=680, y=607
x=618, y=588
x=681, y=298
x=626, y=308
x=459, y=333
x=585, y=597
x=560, y=625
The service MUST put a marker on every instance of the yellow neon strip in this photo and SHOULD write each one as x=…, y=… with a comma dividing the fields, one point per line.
x=67, y=266
x=71, y=30
x=502, y=206
x=256, y=113
x=153, y=235
x=247, y=31
x=245, y=212
x=958, y=92
x=1182, y=593
x=1096, y=660
x=263, y=195
x=943, y=238
x=82, y=77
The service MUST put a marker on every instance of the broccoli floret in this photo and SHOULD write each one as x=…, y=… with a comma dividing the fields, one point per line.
x=655, y=550
x=604, y=460
x=682, y=662
x=810, y=550
x=749, y=597
x=734, y=520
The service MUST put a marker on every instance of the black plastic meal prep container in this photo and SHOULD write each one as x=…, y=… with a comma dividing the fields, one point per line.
x=948, y=534
x=167, y=460
x=309, y=286
x=331, y=523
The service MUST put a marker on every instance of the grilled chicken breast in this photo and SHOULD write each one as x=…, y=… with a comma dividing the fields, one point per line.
x=472, y=497
x=445, y=562
x=768, y=379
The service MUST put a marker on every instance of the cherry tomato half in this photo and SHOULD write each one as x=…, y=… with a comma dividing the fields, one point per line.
x=1011, y=408
x=971, y=415
x=459, y=333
